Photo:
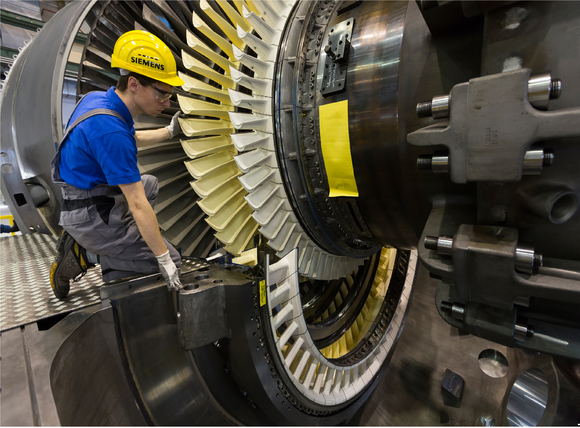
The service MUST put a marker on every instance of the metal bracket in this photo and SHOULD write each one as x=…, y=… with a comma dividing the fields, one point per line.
x=201, y=319
x=202, y=314
x=502, y=126
x=487, y=264
x=336, y=63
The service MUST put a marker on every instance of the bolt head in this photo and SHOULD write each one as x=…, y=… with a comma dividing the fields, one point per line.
x=487, y=420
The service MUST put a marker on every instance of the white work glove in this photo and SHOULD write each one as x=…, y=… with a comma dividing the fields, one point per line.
x=174, y=127
x=169, y=271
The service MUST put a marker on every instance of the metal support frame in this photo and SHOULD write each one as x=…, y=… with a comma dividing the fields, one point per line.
x=492, y=125
x=202, y=318
x=25, y=149
x=486, y=276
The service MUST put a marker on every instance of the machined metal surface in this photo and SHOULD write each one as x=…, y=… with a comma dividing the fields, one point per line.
x=527, y=399
x=26, y=294
x=440, y=107
x=87, y=377
x=526, y=259
x=337, y=50
x=30, y=383
x=556, y=332
x=164, y=375
x=409, y=392
x=452, y=383
x=541, y=89
x=26, y=149
x=202, y=319
x=490, y=283
x=493, y=363
x=483, y=153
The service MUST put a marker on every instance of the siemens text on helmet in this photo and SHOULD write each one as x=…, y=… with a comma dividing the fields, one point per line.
x=148, y=63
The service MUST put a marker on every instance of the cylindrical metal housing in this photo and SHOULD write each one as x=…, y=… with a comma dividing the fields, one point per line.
x=440, y=107
x=445, y=245
x=541, y=89
x=526, y=260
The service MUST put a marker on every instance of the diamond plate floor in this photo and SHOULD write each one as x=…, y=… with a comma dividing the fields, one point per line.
x=25, y=292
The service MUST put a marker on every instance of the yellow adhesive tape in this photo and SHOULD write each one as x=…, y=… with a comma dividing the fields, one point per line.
x=336, y=149
x=262, y=293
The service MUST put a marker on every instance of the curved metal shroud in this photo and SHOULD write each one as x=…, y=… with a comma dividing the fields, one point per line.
x=202, y=387
x=31, y=130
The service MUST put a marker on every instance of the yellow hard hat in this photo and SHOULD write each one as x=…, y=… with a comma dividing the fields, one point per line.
x=146, y=54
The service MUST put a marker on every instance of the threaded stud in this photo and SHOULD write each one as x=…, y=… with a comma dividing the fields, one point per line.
x=431, y=242
x=548, y=158
x=446, y=307
x=538, y=262
x=555, y=89
x=424, y=162
x=424, y=109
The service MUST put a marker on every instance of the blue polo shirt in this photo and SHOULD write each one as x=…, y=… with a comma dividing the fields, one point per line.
x=102, y=149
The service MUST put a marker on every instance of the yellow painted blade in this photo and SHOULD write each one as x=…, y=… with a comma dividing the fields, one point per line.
x=222, y=24
x=224, y=44
x=200, y=68
x=205, y=127
x=244, y=238
x=199, y=168
x=223, y=217
x=198, y=147
x=233, y=229
x=209, y=183
x=200, y=47
x=220, y=197
x=235, y=16
x=201, y=88
x=252, y=7
x=203, y=108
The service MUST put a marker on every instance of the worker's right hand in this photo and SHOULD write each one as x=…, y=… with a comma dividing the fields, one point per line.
x=174, y=127
x=169, y=272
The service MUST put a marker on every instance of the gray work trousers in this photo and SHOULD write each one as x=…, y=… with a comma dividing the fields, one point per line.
x=100, y=221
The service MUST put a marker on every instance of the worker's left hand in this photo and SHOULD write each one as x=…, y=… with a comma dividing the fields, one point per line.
x=174, y=127
x=169, y=272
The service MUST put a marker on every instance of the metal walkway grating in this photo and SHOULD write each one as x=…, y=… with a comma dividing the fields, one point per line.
x=25, y=292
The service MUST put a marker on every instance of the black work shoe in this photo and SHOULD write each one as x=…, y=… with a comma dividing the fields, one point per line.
x=70, y=263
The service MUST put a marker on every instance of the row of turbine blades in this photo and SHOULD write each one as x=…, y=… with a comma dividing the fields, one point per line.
x=313, y=371
x=225, y=53
x=233, y=154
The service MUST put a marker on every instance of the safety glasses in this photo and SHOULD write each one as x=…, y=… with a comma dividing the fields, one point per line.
x=160, y=95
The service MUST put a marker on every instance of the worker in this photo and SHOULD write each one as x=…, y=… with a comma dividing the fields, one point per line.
x=107, y=208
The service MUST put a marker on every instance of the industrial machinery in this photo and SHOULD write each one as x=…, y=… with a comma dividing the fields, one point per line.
x=343, y=141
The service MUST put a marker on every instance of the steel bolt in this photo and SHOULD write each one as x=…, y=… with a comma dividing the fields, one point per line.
x=443, y=245
x=438, y=162
x=541, y=89
x=536, y=160
x=456, y=310
x=527, y=260
x=424, y=109
x=487, y=420
x=522, y=330
x=438, y=108
x=424, y=162
x=548, y=157
x=330, y=52
x=431, y=243
x=556, y=89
